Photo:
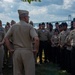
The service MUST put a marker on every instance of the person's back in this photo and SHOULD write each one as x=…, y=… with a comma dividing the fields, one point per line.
x=22, y=34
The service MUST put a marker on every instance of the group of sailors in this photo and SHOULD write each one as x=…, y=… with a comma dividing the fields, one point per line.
x=58, y=45
x=5, y=55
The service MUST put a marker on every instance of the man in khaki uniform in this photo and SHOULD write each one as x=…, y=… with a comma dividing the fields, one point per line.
x=22, y=34
x=51, y=32
x=71, y=40
x=1, y=47
x=43, y=37
x=55, y=47
x=62, y=36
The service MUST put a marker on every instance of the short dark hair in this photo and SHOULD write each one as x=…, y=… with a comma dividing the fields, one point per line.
x=43, y=23
x=61, y=25
x=64, y=24
x=56, y=23
x=39, y=24
x=56, y=30
x=50, y=24
x=47, y=23
x=73, y=19
x=0, y=21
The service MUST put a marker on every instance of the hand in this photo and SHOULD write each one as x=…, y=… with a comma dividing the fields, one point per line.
x=1, y=43
x=11, y=51
x=61, y=46
x=35, y=51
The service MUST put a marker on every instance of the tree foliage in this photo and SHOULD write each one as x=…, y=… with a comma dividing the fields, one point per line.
x=29, y=1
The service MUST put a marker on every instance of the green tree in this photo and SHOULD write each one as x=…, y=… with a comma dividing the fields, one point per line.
x=29, y=1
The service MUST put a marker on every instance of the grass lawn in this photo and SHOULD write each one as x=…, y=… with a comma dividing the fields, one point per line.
x=49, y=69
x=43, y=69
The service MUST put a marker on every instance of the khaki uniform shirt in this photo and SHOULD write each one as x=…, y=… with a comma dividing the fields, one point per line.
x=22, y=34
x=69, y=47
x=1, y=33
x=72, y=37
x=51, y=33
x=62, y=37
x=55, y=40
x=43, y=34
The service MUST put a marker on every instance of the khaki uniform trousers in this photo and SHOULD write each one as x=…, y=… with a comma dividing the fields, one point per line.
x=1, y=58
x=23, y=60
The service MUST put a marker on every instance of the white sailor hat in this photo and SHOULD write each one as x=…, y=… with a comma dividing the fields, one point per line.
x=23, y=12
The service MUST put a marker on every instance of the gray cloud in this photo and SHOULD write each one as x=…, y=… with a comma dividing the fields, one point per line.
x=47, y=10
x=73, y=6
x=1, y=9
x=60, y=12
x=48, y=2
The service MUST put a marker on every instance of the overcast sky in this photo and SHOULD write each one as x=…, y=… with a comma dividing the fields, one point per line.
x=45, y=11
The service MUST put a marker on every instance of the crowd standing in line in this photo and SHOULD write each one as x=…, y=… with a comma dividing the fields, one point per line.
x=58, y=45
